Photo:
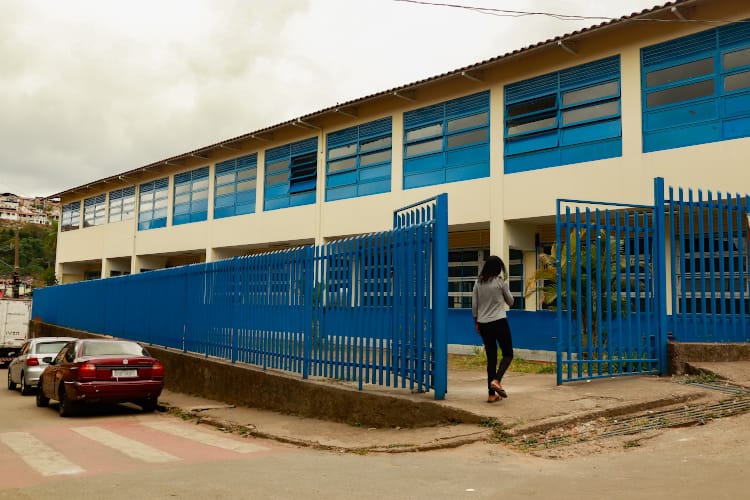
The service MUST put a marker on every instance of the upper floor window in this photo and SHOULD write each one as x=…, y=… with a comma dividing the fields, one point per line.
x=359, y=160
x=121, y=204
x=447, y=142
x=94, y=210
x=190, y=196
x=70, y=218
x=291, y=174
x=235, y=185
x=152, y=204
x=566, y=117
x=696, y=89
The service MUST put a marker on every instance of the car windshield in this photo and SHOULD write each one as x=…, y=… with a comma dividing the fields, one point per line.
x=50, y=347
x=112, y=348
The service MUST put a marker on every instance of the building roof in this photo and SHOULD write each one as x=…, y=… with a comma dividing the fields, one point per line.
x=401, y=91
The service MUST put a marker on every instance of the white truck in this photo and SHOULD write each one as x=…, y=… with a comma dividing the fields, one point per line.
x=14, y=327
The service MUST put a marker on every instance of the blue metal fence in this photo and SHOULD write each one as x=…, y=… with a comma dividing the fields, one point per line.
x=369, y=309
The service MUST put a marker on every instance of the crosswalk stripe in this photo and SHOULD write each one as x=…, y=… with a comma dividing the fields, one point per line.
x=40, y=457
x=211, y=439
x=130, y=447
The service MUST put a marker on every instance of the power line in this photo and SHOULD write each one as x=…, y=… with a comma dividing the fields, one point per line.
x=563, y=17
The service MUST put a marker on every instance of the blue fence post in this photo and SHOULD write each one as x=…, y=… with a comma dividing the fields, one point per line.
x=308, y=327
x=440, y=296
x=559, y=311
x=660, y=283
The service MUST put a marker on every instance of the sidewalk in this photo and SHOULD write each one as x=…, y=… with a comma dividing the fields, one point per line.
x=535, y=403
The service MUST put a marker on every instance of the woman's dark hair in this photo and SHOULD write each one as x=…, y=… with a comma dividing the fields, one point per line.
x=493, y=266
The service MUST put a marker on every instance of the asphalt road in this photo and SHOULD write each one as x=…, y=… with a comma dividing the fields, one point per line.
x=123, y=454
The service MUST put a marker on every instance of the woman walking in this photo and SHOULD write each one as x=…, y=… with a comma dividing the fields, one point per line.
x=488, y=305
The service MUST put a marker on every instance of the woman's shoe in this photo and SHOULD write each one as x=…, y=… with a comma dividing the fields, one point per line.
x=498, y=388
x=492, y=398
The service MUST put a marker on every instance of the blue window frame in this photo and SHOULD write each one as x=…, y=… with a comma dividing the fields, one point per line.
x=696, y=89
x=291, y=175
x=94, y=209
x=570, y=116
x=359, y=160
x=70, y=218
x=447, y=142
x=152, y=204
x=121, y=204
x=235, y=184
x=190, y=196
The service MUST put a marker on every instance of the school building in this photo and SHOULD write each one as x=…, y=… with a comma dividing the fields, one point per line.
x=596, y=114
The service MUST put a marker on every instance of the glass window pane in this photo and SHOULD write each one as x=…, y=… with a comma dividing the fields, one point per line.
x=277, y=167
x=244, y=186
x=160, y=204
x=472, y=137
x=201, y=184
x=277, y=179
x=249, y=173
x=736, y=59
x=383, y=142
x=682, y=93
x=182, y=188
x=588, y=94
x=378, y=157
x=423, y=132
x=532, y=106
x=737, y=81
x=222, y=190
x=147, y=206
x=225, y=178
x=200, y=195
x=424, y=147
x=681, y=72
x=467, y=122
x=338, y=166
x=519, y=128
x=183, y=198
x=347, y=150
x=590, y=112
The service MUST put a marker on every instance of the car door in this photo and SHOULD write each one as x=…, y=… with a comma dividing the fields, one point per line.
x=16, y=365
x=51, y=374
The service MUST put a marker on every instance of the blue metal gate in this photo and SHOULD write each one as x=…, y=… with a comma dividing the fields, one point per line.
x=609, y=274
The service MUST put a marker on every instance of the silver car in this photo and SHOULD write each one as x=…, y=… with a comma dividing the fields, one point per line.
x=25, y=369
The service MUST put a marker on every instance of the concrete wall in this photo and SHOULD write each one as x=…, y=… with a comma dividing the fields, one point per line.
x=244, y=385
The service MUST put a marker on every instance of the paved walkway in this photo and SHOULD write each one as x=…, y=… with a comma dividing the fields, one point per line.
x=535, y=403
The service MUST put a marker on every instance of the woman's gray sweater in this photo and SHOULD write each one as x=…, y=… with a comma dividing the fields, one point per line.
x=489, y=298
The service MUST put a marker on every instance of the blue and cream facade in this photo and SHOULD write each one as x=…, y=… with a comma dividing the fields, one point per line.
x=596, y=115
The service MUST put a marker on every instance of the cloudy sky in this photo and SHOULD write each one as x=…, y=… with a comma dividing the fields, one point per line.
x=92, y=88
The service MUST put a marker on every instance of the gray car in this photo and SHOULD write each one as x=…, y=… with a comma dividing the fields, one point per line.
x=25, y=368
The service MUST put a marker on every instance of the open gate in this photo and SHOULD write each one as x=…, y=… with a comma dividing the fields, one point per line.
x=610, y=282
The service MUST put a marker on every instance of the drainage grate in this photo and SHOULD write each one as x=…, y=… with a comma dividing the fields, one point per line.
x=634, y=424
x=725, y=387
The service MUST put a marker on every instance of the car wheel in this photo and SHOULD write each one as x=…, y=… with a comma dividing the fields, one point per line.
x=148, y=405
x=41, y=400
x=66, y=406
x=25, y=388
x=11, y=384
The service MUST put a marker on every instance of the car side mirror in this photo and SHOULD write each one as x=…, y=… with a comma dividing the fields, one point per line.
x=48, y=360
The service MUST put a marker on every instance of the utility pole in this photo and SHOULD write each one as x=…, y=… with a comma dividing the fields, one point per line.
x=16, y=264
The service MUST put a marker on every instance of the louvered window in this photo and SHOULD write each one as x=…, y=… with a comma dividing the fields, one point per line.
x=359, y=161
x=291, y=174
x=696, y=89
x=121, y=204
x=447, y=142
x=70, y=218
x=152, y=204
x=235, y=186
x=94, y=210
x=190, y=196
x=566, y=117
x=464, y=265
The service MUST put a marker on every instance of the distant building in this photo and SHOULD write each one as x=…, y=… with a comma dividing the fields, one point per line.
x=37, y=210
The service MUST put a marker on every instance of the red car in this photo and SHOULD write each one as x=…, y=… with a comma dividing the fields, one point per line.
x=101, y=371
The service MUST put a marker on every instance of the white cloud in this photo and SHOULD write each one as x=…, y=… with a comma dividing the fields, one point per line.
x=91, y=88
